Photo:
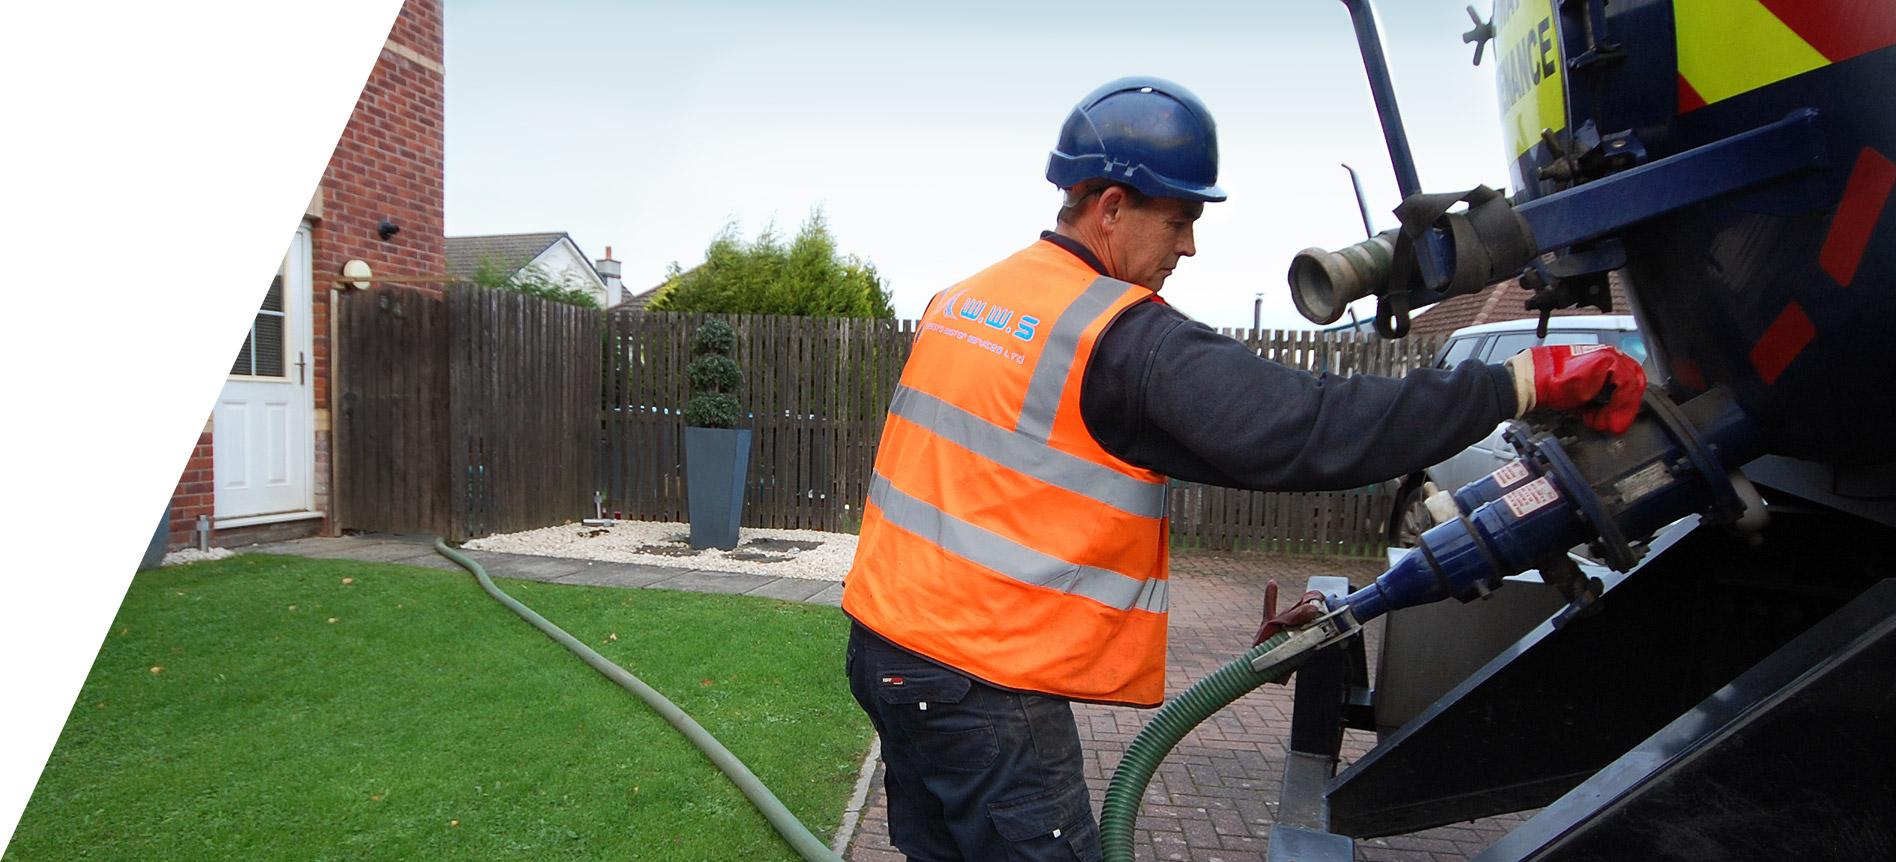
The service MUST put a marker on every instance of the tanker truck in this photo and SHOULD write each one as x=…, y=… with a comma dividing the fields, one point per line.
x=1716, y=676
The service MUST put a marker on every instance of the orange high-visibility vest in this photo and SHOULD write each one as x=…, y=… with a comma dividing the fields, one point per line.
x=1000, y=539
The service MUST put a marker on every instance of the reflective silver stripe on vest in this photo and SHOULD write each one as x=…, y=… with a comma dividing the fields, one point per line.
x=1057, y=358
x=1018, y=452
x=1010, y=558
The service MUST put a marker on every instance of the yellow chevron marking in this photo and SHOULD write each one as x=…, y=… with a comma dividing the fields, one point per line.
x=1728, y=47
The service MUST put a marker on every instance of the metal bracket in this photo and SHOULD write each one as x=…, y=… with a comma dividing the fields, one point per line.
x=1617, y=201
x=1607, y=206
x=1599, y=50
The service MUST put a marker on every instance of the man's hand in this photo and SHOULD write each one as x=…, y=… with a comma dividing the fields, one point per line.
x=1600, y=384
x=1300, y=614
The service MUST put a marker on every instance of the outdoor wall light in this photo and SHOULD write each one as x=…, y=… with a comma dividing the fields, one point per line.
x=387, y=229
x=357, y=269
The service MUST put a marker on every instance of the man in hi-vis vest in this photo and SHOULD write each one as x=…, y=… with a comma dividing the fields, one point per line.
x=1013, y=550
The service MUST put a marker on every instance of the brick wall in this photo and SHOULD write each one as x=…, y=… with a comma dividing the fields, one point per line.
x=193, y=494
x=387, y=165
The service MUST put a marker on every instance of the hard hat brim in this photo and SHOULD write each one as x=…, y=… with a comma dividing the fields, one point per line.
x=1067, y=171
x=1158, y=186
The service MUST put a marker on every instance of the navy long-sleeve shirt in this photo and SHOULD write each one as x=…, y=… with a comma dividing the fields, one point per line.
x=1167, y=393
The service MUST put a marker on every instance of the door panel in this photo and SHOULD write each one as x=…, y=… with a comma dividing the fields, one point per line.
x=255, y=454
x=263, y=448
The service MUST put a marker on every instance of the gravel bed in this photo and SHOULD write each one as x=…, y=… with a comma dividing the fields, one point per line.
x=187, y=556
x=807, y=554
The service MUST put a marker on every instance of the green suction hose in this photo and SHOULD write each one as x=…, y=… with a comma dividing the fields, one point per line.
x=1175, y=719
x=793, y=831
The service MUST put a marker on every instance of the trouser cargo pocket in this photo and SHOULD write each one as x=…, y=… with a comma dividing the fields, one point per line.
x=926, y=703
x=1055, y=825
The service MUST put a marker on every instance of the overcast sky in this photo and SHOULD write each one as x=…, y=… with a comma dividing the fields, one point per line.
x=923, y=131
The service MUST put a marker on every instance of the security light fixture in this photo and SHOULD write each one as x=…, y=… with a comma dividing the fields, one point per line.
x=358, y=272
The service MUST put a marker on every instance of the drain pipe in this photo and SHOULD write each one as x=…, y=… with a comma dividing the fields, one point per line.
x=787, y=825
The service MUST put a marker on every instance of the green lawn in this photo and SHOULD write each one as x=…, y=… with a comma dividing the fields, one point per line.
x=259, y=708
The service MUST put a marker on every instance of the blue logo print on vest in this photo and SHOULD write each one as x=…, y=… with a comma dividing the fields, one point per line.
x=995, y=317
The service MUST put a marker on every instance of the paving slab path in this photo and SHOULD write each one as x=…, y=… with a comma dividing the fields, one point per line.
x=419, y=551
x=1213, y=800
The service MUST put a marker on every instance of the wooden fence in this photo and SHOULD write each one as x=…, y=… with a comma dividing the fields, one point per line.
x=816, y=390
x=464, y=412
x=473, y=412
x=1349, y=523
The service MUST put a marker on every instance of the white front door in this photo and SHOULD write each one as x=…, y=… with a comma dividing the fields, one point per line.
x=263, y=450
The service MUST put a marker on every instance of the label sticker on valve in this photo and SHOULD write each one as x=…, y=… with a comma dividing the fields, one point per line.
x=1531, y=497
x=1509, y=475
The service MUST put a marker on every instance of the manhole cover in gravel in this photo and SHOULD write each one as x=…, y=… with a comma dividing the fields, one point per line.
x=667, y=550
x=755, y=557
x=782, y=545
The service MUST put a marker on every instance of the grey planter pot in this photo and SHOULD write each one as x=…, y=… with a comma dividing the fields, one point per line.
x=716, y=461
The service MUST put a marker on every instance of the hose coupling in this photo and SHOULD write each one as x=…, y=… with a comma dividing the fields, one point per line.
x=1334, y=627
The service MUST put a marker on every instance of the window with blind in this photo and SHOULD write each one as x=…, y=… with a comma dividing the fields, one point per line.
x=262, y=352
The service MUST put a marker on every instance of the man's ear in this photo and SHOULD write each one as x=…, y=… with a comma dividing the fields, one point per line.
x=1112, y=203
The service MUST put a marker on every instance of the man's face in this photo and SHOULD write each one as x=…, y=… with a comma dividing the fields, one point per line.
x=1149, y=238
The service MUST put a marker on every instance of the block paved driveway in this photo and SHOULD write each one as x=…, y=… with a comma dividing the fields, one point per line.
x=1215, y=797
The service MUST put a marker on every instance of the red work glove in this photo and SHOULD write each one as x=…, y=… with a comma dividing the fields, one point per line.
x=1298, y=615
x=1602, y=385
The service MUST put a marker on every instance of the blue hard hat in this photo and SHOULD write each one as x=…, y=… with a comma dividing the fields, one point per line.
x=1148, y=133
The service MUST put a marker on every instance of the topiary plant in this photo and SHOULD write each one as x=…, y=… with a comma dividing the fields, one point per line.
x=714, y=377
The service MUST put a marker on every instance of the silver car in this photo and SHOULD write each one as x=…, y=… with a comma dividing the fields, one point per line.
x=1495, y=342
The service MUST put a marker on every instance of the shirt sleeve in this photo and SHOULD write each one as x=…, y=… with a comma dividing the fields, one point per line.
x=1167, y=393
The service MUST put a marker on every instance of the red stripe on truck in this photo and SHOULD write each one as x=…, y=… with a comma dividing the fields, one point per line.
x=1839, y=29
x=1863, y=198
x=1782, y=341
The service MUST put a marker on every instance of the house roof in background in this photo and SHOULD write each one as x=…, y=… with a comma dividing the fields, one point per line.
x=509, y=251
x=1506, y=301
x=638, y=301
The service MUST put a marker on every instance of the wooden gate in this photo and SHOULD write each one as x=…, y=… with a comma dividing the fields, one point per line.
x=391, y=380
x=524, y=393
x=465, y=412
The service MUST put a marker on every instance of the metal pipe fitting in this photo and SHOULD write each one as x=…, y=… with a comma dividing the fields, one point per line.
x=1324, y=283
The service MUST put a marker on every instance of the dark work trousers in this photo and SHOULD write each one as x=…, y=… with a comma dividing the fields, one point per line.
x=972, y=772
